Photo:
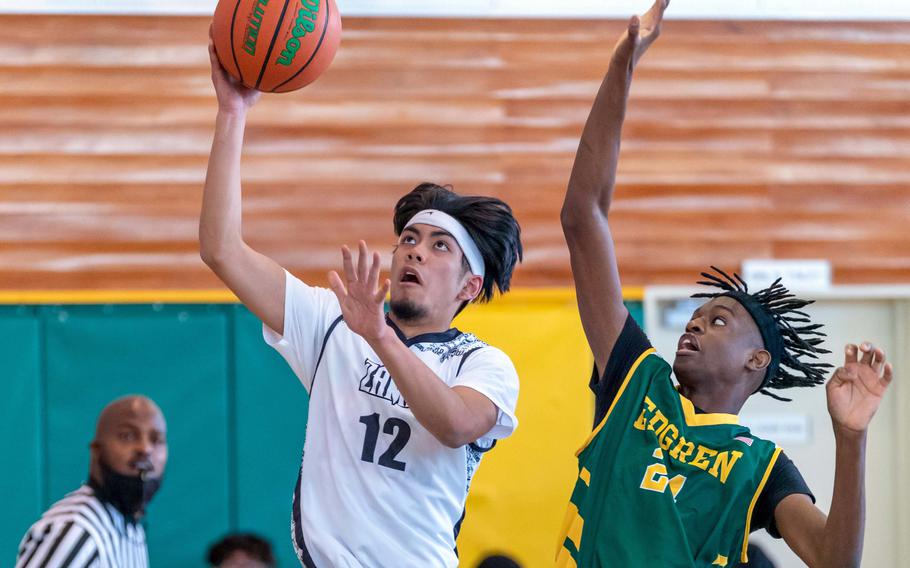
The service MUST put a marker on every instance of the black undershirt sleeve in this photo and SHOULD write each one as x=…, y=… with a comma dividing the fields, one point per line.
x=785, y=480
x=630, y=344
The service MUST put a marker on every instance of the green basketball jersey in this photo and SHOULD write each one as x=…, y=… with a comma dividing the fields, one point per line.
x=661, y=485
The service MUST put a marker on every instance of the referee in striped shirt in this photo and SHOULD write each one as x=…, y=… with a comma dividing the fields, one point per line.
x=98, y=525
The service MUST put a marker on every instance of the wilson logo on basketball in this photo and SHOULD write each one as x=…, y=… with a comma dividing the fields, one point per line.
x=276, y=45
x=306, y=23
x=254, y=23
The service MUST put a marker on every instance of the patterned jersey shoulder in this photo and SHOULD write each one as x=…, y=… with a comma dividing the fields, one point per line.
x=459, y=346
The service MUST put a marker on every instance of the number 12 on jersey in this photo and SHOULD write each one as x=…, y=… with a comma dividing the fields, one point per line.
x=393, y=427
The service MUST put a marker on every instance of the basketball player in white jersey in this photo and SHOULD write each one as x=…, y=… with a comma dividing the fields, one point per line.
x=401, y=405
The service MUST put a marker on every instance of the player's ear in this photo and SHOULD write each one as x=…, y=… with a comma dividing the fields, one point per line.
x=758, y=360
x=471, y=288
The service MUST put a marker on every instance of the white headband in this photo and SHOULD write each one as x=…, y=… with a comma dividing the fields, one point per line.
x=451, y=225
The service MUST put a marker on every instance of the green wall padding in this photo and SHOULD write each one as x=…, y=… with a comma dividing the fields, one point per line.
x=269, y=432
x=21, y=423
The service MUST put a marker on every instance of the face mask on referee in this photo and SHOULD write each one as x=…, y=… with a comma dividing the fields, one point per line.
x=128, y=493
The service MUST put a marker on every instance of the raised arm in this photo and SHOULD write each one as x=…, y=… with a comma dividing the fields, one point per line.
x=587, y=204
x=854, y=394
x=256, y=279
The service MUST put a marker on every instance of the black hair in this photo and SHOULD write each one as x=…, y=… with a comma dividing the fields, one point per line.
x=248, y=543
x=488, y=220
x=498, y=561
x=788, y=333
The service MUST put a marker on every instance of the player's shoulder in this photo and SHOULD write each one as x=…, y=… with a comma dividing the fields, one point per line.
x=758, y=445
x=649, y=361
x=449, y=345
x=298, y=287
x=633, y=349
x=471, y=346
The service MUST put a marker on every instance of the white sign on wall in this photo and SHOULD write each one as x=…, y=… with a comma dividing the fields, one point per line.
x=798, y=275
x=784, y=428
x=888, y=10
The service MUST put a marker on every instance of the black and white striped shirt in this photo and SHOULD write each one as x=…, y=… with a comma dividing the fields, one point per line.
x=81, y=531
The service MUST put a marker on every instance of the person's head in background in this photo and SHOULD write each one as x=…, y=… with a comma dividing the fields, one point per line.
x=757, y=558
x=129, y=454
x=498, y=561
x=241, y=551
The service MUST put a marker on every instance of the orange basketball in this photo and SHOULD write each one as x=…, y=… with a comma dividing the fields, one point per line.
x=276, y=45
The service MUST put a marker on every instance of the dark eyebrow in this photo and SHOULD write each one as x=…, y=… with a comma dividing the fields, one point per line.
x=732, y=313
x=436, y=233
x=441, y=233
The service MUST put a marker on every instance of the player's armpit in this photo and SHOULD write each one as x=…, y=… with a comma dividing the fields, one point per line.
x=802, y=525
x=257, y=280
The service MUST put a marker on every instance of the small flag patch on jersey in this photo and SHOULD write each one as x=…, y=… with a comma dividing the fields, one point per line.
x=744, y=440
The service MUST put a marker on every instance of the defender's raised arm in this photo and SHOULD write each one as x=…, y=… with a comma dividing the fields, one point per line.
x=587, y=204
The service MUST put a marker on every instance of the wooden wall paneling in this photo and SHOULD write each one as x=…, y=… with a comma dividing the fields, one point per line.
x=743, y=139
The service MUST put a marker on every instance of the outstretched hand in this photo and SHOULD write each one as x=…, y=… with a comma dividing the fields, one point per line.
x=233, y=96
x=359, y=294
x=855, y=390
x=641, y=33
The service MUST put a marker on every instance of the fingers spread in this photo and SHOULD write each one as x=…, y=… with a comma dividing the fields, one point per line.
x=878, y=360
x=844, y=374
x=375, y=266
x=383, y=291
x=850, y=352
x=337, y=285
x=889, y=374
x=362, y=262
x=866, y=349
x=655, y=14
x=348, y=264
x=634, y=27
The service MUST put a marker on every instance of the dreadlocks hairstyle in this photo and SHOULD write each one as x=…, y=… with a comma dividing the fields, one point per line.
x=788, y=333
x=488, y=220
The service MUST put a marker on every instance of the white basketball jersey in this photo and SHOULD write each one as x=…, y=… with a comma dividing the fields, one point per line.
x=376, y=488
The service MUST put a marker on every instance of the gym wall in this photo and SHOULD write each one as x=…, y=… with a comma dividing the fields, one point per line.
x=744, y=139
x=237, y=419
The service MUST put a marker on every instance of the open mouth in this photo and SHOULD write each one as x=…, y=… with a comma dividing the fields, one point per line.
x=409, y=276
x=688, y=343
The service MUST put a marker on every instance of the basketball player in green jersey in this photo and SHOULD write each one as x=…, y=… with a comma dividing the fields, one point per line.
x=668, y=478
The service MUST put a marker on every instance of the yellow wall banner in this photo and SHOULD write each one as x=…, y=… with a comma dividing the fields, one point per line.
x=519, y=494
